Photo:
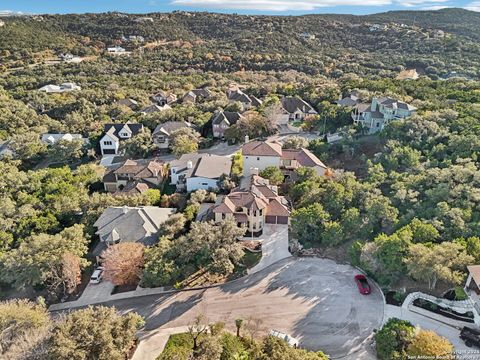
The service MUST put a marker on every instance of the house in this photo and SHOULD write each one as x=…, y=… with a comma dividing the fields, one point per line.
x=472, y=285
x=196, y=95
x=117, y=50
x=130, y=103
x=161, y=134
x=65, y=87
x=114, y=134
x=135, y=176
x=254, y=207
x=376, y=115
x=409, y=74
x=51, y=139
x=258, y=155
x=163, y=98
x=130, y=224
x=293, y=109
x=199, y=171
x=247, y=101
x=350, y=100
x=154, y=108
x=222, y=120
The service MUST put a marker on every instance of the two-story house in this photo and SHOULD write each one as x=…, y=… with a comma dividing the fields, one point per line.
x=196, y=95
x=247, y=101
x=162, y=133
x=198, y=171
x=254, y=207
x=222, y=120
x=376, y=115
x=258, y=155
x=293, y=109
x=114, y=134
x=163, y=98
x=135, y=176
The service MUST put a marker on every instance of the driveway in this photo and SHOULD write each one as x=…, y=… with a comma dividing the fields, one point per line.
x=274, y=246
x=315, y=300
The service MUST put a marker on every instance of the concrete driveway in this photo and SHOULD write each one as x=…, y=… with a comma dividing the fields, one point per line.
x=315, y=300
x=274, y=246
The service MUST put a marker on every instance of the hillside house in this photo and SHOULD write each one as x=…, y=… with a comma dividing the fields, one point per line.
x=376, y=115
x=154, y=108
x=163, y=98
x=222, y=120
x=163, y=132
x=114, y=134
x=52, y=139
x=128, y=102
x=247, y=101
x=293, y=109
x=254, y=207
x=198, y=171
x=196, y=95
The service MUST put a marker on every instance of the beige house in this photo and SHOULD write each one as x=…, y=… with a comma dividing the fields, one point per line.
x=135, y=176
x=163, y=98
x=162, y=133
x=253, y=207
x=258, y=155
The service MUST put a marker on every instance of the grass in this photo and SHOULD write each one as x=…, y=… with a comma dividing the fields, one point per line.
x=168, y=189
x=250, y=259
x=460, y=294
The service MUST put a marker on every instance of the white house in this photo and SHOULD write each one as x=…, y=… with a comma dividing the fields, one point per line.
x=198, y=171
x=51, y=139
x=258, y=155
x=114, y=134
x=117, y=50
x=65, y=87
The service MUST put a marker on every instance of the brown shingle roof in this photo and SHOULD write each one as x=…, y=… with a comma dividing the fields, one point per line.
x=262, y=148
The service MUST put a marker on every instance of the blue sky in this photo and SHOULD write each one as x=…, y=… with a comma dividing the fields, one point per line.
x=281, y=7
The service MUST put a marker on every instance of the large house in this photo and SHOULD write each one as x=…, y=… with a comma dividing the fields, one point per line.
x=254, y=207
x=65, y=87
x=247, y=101
x=258, y=155
x=293, y=109
x=196, y=95
x=52, y=139
x=222, y=120
x=115, y=134
x=163, y=98
x=376, y=115
x=199, y=171
x=154, y=108
x=130, y=224
x=162, y=133
x=350, y=100
x=135, y=176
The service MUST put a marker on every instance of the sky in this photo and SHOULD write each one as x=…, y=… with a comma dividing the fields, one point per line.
x=276, y=7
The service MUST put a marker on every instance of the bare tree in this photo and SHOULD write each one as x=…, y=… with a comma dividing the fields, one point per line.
x=199, y=327
x=66, y=275
x=123, y=263
x=253, y=326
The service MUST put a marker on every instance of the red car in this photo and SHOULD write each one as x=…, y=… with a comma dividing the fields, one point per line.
x=363, y=285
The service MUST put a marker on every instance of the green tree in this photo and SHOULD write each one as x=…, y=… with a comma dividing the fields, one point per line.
x=184, y=141
x=94, y=333
x=393, y=339
x=308, y=223
x=139, y=146
x=273, y=174
x=295, y=142
x=65, y=151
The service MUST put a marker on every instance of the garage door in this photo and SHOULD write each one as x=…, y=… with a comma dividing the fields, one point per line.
x=269, y=219
x=109, y=151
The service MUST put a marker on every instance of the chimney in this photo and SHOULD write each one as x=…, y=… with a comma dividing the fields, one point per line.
x=189, y=164
x=247, y=139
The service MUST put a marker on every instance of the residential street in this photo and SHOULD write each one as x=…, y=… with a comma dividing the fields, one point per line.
x=314, y=300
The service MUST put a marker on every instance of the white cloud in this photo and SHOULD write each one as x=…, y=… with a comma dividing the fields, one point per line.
x=474, y=6
x=413, y=3
x=436, y=7
x=277, y=5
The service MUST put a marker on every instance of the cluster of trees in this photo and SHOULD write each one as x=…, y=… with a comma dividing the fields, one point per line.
x=211, y=342
x=399, y=339
x=28, y=332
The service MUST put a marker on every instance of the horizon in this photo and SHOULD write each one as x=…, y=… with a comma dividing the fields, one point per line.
x=241, y=7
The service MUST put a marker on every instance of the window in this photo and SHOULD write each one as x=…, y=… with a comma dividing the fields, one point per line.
x=205, y=184
x=161, y=139
x=254, y=226
x=107, y=142
x=258, y=159
x=224, y=216
x=261, y=212
x=124, y=134
x=378, y=124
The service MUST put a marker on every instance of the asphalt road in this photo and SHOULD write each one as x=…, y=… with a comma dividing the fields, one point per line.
x=314, y=300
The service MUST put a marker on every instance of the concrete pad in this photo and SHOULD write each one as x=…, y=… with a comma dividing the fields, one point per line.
x=274, y=246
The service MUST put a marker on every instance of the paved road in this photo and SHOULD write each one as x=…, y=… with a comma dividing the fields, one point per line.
x=314, y=300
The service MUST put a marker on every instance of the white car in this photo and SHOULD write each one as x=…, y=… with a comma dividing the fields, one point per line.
x=290, y=340
x=96, y=276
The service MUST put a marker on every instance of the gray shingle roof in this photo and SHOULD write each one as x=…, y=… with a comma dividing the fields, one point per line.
x=292, y=104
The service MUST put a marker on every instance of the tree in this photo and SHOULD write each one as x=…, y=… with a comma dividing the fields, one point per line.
x=65, y=151
x=273, y=174
x=173, y=225
x=123, y=263
x=32, y=262
x=238, y=325
x=184, y=141
x=23, y=327
x=428, y=344
x=138, y=146
x=252, y=124
x=423, y=232
x=445, y=262
x=66, y=275
x=197, y=329
x=295, y=142
x=393, y=339
x=308, y=223
x=94, y=333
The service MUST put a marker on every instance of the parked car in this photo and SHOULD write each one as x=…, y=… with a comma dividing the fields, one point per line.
x=470, y=336
x=363, y=285
x=290, y=340
x=97, y=276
